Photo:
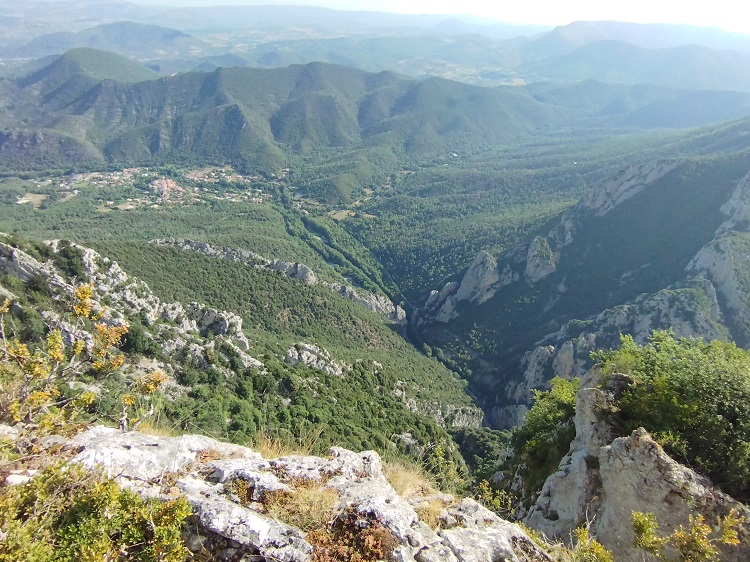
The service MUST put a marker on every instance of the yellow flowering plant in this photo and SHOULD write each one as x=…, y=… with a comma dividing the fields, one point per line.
x=142, y=402
x=33, y=376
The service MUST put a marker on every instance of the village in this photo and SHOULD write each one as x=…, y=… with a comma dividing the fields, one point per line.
x=134, y=188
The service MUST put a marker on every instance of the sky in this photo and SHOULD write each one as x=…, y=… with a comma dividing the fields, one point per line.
x=729, y=15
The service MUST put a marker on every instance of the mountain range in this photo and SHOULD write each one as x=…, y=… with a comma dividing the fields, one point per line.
x=94, y=106
x=484, y=53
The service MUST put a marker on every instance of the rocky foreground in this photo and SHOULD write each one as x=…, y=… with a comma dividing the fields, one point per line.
x=226, y=486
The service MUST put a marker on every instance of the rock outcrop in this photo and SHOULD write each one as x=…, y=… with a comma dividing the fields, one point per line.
x=313, y=357
x=538, y=259
x=602, y=480
x=447, y=415
x=541, y=261
x=191, y=329
x=236, y=527
x=604, y=198
x=379, y=304
x=737, y=209
x=479, y=283
x=290, y=269
x=690, y=311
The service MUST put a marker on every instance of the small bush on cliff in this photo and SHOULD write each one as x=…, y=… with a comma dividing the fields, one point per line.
x=352, y=537
x=694, y=397
x=696, y=543
x=546, y=433
x=34, y=376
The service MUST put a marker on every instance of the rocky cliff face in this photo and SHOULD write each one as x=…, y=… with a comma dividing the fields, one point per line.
x=193, y=330
x=315, y=358
x=379, y=304
x=538, y=259
x=602, y=480
x=690, y=311
x=601, y=200
x=235, y=526
x=209, y=340
x=576, y=286
x=480, y=283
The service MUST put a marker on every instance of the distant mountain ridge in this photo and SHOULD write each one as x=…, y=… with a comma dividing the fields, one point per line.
x=266, y=118
x=125, y=37
x=566, y=38
x=482, y=52
x=618, y=62
x=248, y=112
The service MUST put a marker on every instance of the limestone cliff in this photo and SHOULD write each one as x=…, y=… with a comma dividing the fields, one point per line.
x=692, y=310
x=193, y=329
x=539, y=258
x=602, y=480
x=658, y=246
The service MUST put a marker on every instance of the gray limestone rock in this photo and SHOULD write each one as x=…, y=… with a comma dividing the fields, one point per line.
x=375, y=302
x=603, y=480
x=253, y=532
x=315, y=358
x=541, y=261
x=478, y=535
x=479, y=279
x=233, y=528
x=144, y=457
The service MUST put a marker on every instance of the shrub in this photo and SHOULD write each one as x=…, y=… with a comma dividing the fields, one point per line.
x=694, y=397
x=545, y=435
x=502, y=502
x=352, y=537
x=33, y=376
x=69, y=513
x=696, y=543
x=308, y=506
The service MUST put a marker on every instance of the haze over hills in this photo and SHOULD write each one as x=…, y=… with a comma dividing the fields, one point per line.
x=622, y=63
x=430, y=45
x=136, y=40
x=567, y=38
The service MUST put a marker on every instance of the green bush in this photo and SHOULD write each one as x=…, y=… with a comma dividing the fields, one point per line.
x=694, y=397
x=698, y=542
x=546, y=433
x=69, y=513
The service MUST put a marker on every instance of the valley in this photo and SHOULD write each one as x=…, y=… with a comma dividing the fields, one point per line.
x=409, y=234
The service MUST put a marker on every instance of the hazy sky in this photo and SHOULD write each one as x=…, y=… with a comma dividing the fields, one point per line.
x=727, y=14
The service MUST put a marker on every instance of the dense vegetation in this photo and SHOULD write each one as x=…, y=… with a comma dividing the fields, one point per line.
x=694, y=397
x=602, y=267
x=545, y=435
x=363, y=408
x=691, y=395
x=70, y=513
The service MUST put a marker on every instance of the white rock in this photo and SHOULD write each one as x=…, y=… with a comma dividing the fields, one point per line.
x=135, y=455
x=603, y=482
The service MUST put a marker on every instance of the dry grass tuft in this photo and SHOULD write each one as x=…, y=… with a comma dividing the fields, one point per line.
x=149, y=427
x=429, y=513
x=409, y=479
x=272, y=446
x=308, y=506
